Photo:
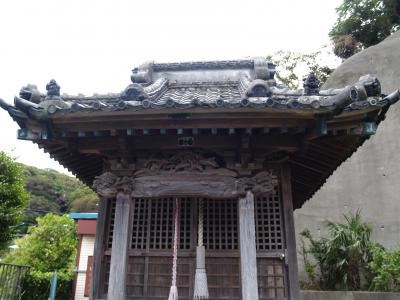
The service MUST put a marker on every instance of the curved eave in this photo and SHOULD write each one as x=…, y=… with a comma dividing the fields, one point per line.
x=323, y=151
x=311, y=166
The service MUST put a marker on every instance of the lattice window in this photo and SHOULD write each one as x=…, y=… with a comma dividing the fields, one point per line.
x=153, y=223
x=271, y=278
x=186, y=218
x=269, y=222
x=139, y=224
x=220, y=224
x=111, y=219
x=161, y=222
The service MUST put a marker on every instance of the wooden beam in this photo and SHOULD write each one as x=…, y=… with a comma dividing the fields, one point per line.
x=308, y=167
x=95, y=288
x=320, y=129
x=119, y=252
x=163, y=142
x=248, y=254
x=291, y=253
x=112, y=124
x=201, y=114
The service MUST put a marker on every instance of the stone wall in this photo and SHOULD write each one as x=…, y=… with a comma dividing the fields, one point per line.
x=370, y=179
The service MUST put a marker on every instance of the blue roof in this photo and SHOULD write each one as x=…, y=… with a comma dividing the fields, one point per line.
x=77, y=216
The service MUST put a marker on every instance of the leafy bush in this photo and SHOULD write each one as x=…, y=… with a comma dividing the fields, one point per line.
x=342, y=259
x=36, y=285
x=385, y=268
x=47, y=248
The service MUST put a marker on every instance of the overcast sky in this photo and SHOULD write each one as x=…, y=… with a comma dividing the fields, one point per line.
x=91, y=46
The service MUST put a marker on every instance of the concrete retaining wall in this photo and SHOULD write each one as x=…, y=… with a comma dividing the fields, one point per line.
x=335, y=295
x=369, y=180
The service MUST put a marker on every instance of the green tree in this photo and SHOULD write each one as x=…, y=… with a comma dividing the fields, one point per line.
x=83, y=199
x=293, y=67
x=12, y=199
x=48, y=247
x=51, y=191
x=363, y=23
x=342, y=258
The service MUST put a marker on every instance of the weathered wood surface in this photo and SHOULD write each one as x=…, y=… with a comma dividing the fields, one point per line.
x=220, y=141
x=291, y=259
x=119, y=252
x=185, y=173
x=248, y=255
x=96, y=287
x=189, y=184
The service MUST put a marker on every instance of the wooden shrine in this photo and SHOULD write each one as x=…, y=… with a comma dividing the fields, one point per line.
x=202, y=155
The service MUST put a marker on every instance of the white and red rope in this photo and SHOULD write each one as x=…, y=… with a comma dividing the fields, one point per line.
x=200, y=233
x=173, y=294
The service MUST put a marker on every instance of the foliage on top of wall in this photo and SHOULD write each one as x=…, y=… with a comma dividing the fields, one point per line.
x=363, y=23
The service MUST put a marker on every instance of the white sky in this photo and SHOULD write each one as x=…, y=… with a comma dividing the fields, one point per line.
x=91, y=46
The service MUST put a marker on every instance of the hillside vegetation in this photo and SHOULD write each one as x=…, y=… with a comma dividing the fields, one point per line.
x=51, y=191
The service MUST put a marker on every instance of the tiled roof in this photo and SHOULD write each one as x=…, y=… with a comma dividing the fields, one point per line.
x=237, y=100
x=231, y=84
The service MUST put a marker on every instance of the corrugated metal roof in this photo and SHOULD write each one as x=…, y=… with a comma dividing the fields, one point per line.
x=78, y=216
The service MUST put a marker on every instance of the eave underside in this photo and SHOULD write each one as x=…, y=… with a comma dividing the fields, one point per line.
x=313, y=148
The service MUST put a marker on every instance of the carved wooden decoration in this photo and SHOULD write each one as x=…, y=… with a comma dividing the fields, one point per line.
x=185, y=173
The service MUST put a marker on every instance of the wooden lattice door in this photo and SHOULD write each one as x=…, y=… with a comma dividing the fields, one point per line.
x=150, y=254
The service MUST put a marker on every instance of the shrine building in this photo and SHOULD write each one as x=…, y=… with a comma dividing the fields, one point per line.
x=199, y=167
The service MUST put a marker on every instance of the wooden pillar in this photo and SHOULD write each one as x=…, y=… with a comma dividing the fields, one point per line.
x=291, y=259
x=248, y=254
x=95, y=287
x=119, y=251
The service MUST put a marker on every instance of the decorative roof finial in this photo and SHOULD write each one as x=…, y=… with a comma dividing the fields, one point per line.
x=311, y=85
x=30, y=93
x=53, y=89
